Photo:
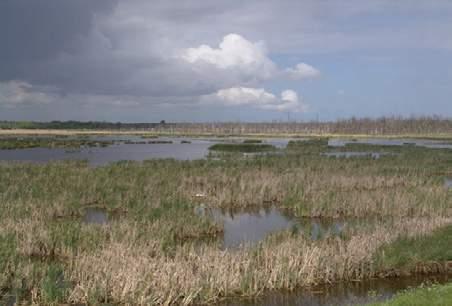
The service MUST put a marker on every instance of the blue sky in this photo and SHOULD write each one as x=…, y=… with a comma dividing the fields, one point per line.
x=377, y=83
x=193, y=60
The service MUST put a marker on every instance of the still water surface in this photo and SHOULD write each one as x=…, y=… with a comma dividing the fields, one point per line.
x=180, y=149
x=94, y=215
x=343, y=294
x=248, y=227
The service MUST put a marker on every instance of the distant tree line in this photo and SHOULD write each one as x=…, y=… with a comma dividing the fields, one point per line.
x=379, y=126
x=77, y=125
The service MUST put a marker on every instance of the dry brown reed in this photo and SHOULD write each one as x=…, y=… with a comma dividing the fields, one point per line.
x=126, y=273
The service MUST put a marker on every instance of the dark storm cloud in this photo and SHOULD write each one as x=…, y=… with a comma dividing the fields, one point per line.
x=127, y=47
x=87, y=46
x=34, y=31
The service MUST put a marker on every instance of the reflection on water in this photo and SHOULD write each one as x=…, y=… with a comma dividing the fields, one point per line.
x=131, y=148
x=448, y=182
x=247, y=227
x=352, y=293
x=95, y=215
x=125, y=148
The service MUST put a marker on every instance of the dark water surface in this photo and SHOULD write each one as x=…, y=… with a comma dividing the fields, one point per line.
x=343, y=294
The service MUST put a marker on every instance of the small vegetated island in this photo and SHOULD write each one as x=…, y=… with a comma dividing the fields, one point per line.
x=142, y=232
x=244, y=147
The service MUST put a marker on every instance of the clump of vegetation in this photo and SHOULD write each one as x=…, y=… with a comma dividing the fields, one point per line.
x=242, y=147
x=149, y=136
x=134, y=142
x=160, y=142
x=15, y=143
x=436, y=295
x=252, y=141
x=422, y=253
x=313, y=146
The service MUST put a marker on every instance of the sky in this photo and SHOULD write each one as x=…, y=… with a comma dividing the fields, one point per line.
x=204, y=61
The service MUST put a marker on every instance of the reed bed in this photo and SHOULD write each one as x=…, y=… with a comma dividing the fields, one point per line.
x=125, y=273
x=160, y=251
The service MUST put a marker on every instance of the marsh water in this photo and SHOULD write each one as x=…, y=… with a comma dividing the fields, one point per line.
x=427, y=143
x=133, y=148
x=247, y=227
x=130, y=148
x=95, y=215
x=137, y=148
x=448, y=182
x=342, y=294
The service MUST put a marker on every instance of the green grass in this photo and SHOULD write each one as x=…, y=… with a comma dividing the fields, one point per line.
x=437, y=295
x=406, y=252
x=53, y=286
x=313, y=146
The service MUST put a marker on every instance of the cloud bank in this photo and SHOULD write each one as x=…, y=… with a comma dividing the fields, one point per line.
x=257, y=98
x=146, y=54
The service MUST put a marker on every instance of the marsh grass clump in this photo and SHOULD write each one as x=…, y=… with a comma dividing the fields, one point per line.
x=433, y=295
x=53, y=287
x=160, y=142
x=15, y=143
x=252, y=141
x=408, y=252
x=242, y=147
x=313, y=146
x=149, y=136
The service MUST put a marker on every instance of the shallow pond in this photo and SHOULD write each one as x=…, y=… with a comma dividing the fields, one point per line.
x=123, y=149
x=248, y=227
x=133, y=148
x=448, y=182
x=95, y=215
x=352, y=293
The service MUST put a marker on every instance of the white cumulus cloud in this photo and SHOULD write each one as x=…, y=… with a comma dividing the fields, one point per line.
x=244, y=59
x=234, y=53
x=245, y=96
x=259, y=98
x=302, y=71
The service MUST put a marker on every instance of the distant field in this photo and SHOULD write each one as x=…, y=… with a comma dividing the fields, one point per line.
x=62, y=132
